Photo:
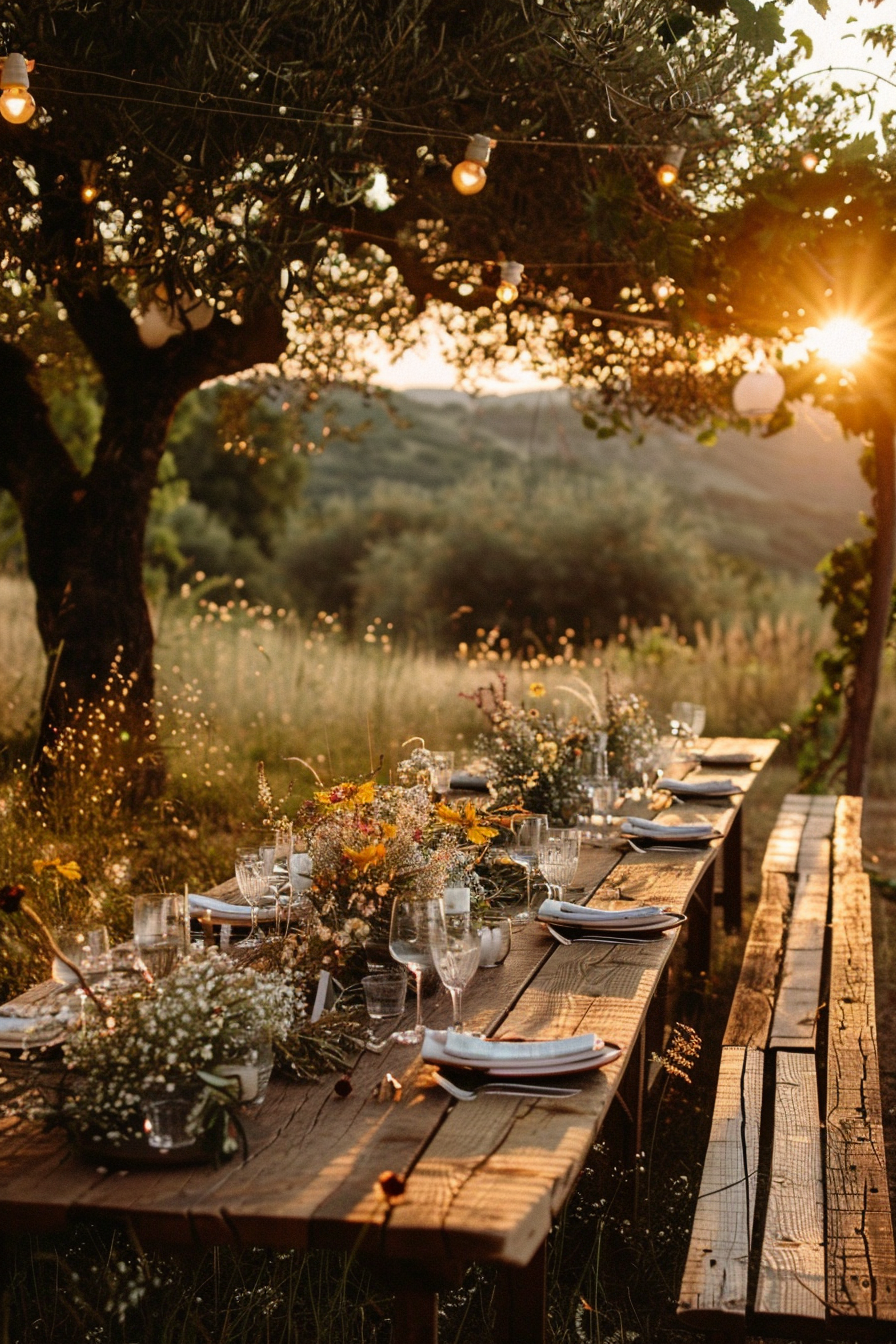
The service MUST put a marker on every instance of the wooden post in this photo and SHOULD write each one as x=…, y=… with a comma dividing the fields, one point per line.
x=521, y=1301
x=732, y=872
x=415, y=1316
x=700, y=924
x=630, y=1095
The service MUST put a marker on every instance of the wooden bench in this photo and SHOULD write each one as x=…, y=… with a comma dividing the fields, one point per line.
x=814, y=1252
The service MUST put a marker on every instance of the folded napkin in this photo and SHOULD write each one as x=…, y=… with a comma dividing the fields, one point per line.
x=16, y=1032
x=470, y=783
x=491, y=1055
x=564, y=912
x=699, y=787
x=226, y=912
x=658, y=830
x=473, y=1049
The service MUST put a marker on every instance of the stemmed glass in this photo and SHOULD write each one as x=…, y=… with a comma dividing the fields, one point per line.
x=410, y=933
x=253, y=883
x=455, y=953
x=558, y=858
x=688, y=719
x=523, y=849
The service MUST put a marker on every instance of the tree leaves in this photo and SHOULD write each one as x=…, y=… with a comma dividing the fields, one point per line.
x=759, y=28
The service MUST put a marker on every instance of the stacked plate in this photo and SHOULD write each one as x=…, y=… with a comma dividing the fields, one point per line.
x=700, y=788
x=642, y=834
x=517, y=1059
x=727, y=760
x=624, y=921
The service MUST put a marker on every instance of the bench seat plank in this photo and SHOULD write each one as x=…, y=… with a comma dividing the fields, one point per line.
x=861, y=1257
x=750, y=1018
x=795, y=1019
x=791, y=1267
x=782, y=850
x=714, y=1288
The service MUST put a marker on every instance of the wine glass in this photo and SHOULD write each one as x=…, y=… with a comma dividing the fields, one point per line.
x=523, y=849
x=161, y=931
x=410, y=931
x=558, y=858
x=688, y=719
x=455, y=954
x=441, y=771
x=253, y=883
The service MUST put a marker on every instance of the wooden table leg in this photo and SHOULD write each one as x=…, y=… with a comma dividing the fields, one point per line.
x=415, y=1316
x=631, y=1096
x=521, y=1301
x=732, y=873
x=700, y=924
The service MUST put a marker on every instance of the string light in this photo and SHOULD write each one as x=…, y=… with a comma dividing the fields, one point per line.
x=667, y=173
x=16, y=104
x=663, y=288
x=89, y=174
x=809, y=161
x=469, y=176
x=511, y=274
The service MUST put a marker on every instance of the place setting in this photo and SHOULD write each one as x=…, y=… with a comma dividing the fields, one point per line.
x=617, y=922
x=468, y=1066
x=644, y=834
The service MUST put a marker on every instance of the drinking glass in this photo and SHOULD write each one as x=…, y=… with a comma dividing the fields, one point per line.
x=410, y=932
x=167, y=1123
x=606, y=792
x=441, y=771
x=253, y=883
x=455, y=954
x=85, y=947
x=523, y=849
x=275, y=851
x=688, y=719
x=161, y=931
x=297, y=900
x=385, y=992
x=558, y=858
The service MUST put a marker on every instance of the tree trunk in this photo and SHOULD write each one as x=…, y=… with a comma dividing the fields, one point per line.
x=864, y=688
x=85, y=534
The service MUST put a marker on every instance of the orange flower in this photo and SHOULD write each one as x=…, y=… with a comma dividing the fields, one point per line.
x=71, y=870
x=365, y=858
x=343, y=796
x=472, y=824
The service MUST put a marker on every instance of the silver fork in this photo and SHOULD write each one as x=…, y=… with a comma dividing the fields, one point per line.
x=596, y=938
x=520, y=1089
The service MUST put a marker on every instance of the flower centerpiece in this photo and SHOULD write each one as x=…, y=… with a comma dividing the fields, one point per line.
x=188, y=1036
x=632, y=736
x=536, y=755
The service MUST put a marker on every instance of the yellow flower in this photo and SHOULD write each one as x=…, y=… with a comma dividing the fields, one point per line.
x=365, y=858
x=389, y=831
x=68, y=869
x=343, y=796
x=536, y=689
x=472, y=824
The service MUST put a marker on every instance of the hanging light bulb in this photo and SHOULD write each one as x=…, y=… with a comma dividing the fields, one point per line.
x=809, y=161
x=757, y=395
x=469, y=176
x=667, y=173
x=89, y=174
x=16, y=104
x=511, y=274
x=663, y=289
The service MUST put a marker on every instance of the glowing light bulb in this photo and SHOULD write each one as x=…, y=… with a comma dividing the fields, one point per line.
x=89, y=193
x=664, y=288
x=809, y=161
x=469, y=176
x=667, y=173
x=511, y=274
x=16, y=104
x=842, y=341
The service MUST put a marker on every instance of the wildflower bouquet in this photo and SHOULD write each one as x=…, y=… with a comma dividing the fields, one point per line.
x=632, y=736
x=170, y=1036
x=535, y=756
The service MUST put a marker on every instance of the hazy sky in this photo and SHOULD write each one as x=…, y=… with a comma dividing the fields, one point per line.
x=836, y=42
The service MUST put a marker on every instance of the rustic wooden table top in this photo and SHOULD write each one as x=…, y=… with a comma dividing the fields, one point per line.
x=483, y=1180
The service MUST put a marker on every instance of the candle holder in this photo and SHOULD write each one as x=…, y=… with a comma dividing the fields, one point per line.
x=495, y=938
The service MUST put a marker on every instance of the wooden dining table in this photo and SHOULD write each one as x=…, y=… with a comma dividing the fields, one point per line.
x=418, y=1184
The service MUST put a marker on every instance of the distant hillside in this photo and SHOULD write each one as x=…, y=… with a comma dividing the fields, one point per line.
x=781, y=502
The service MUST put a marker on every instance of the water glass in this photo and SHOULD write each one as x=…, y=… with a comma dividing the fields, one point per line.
x=606, y=792
x=441, y=770
x=455, y=955
x=161, y=931
x=167, y=1121
x=410, y=944
x=86, y=948
x=558, y=858
x=523, y=849
x=385, y=993
x=495, y=938
x=688, y=719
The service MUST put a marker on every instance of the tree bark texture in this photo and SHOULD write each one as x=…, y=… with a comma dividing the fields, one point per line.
x=85, y=534
x=880, y=597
